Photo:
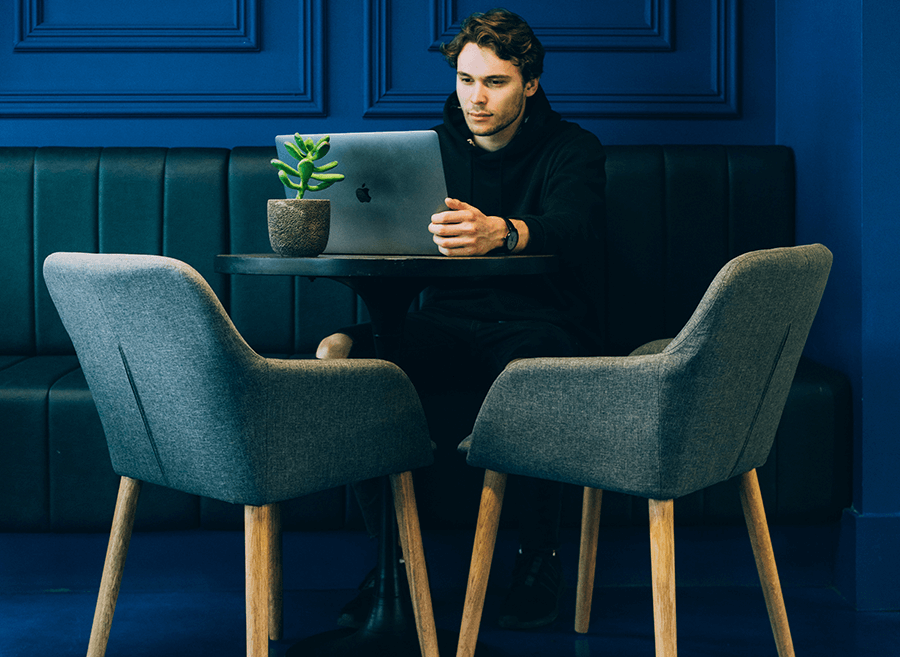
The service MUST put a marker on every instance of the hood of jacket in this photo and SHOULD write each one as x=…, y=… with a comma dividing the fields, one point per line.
x=492, y=180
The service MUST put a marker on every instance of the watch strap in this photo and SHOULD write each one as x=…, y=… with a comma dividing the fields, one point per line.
x=510, y=228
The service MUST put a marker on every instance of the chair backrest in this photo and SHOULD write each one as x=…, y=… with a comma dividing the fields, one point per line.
x=167, y=369
x=728, y=372
x=187, y=404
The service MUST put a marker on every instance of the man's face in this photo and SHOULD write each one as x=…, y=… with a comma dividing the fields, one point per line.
x=492, y=95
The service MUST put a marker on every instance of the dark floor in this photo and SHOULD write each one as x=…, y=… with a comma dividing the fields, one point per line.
x=182, y=595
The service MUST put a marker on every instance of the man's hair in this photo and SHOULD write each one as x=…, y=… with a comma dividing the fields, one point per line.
x=504, y=32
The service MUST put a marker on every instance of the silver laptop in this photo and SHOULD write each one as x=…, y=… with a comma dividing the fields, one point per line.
x=394, y=182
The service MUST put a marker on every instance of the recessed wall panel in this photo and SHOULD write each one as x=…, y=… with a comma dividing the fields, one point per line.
x=617, y=25
x=595, y=65
x=135, y=25
x=203, y=58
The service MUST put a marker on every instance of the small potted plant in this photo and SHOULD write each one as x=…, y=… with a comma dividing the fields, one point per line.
x=300, y=226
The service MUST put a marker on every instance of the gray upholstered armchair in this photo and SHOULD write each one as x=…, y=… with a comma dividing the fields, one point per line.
x=187, y=404
x=675, y=417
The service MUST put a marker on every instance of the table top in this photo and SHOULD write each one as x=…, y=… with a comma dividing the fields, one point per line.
x=385, y=266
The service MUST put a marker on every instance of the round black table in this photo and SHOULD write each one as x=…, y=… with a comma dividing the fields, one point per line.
x=387, y=285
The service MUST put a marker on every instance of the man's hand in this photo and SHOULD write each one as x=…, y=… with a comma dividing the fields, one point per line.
x=464, y=230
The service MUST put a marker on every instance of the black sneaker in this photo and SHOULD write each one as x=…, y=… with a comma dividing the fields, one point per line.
x=355, y=613
x=533, y=598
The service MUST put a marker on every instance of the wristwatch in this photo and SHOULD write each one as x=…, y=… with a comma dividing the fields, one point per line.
x=512, y=237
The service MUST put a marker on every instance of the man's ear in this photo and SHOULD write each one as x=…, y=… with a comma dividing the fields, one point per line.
x=531, y=87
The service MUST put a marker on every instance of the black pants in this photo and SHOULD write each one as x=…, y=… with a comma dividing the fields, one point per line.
x=441, y=352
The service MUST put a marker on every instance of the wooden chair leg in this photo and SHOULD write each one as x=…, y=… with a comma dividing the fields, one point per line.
x=116, y=551
x=587, y=559
x=259, y=554
x=276, y=578
x=662, y=554
x=414, y=555
x=482, y=555
x=755, y=515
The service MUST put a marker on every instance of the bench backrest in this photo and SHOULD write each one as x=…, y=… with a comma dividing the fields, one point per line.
x=676, y=214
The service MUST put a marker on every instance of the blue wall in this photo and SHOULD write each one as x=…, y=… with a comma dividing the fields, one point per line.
x=837, y=100
x=238, y=72
x=817, y=76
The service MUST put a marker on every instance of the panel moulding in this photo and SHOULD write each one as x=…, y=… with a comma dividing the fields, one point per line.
x=307, y=98
x=653, y=34
x=34, y=34
x=721, y=100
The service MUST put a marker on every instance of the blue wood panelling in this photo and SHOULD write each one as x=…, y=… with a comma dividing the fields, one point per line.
x=246, y=58
x=698, y=78
x=187, y=68
x=136, y=25
x=592, y=26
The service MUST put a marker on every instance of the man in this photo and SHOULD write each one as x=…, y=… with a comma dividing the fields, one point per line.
x=523, y=181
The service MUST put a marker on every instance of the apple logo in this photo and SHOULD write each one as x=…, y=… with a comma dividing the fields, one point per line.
x=362, y=194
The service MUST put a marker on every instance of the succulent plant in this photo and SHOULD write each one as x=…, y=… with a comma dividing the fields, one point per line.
x=306, y=153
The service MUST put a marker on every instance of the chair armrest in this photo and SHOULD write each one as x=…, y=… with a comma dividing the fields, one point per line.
x=564, y=418
x=655, y=347
x=357, y=418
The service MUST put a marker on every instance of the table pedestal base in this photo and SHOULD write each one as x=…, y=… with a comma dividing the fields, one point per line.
x=389, y=630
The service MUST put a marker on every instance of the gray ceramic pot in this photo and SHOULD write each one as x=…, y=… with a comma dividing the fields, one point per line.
x=299, y=227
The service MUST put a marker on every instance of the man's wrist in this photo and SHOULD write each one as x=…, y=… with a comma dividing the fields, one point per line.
x=510, y=237
x=519, y=227
x=523, y=234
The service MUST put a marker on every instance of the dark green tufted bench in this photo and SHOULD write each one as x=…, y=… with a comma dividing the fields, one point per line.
x=675, y=216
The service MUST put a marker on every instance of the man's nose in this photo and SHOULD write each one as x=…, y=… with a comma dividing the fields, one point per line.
x=478, y=97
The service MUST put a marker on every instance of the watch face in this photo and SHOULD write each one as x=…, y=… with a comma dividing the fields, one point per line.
x=512, y=237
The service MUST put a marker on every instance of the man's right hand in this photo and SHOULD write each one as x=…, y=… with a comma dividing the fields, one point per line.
x=464, y=230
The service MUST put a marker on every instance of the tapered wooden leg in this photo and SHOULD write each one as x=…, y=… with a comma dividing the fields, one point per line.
x=258, y=556
x=662, y=554
x=755, y=515
x=482, y=555
x=116, y=551
x=276, y=578
x=414, y=555
x=587, y=559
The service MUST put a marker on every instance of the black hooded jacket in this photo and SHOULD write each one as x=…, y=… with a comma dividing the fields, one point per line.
x=551, y=176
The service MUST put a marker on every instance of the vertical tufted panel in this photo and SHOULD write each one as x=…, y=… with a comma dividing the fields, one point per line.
x=262, y=307
x=675, y=216
x=761, y=197
x=636, y=246
x=65, y=219
x=195, y=210
x=24, y=451
x=17, y=250
x=131, y=200
x=696, y=227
